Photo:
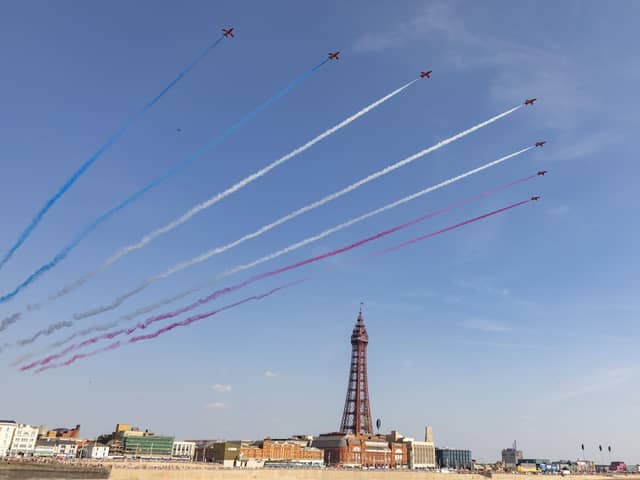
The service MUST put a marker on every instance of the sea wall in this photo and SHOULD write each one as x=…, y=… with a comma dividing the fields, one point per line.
x=304, y=474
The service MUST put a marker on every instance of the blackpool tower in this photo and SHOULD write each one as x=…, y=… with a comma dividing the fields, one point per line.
x=356, y=418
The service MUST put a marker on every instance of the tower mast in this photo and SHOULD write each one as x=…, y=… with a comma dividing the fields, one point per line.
x=356, y=417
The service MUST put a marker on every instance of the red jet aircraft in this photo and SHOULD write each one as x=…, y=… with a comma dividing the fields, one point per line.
x=227, y=32
x=536, y=198
x=542, y=172
x=334, y=56
x=426, y=74
x=541, y=144
x=529, y=101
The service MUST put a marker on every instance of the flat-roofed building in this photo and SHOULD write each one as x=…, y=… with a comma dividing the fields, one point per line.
x=225, y=453
x=422, y=455
x=184, y=450
x=24, y=440
x=95, y=450
x=453, y=458
x=147, y=445
x=7, y=429
x=66, y=448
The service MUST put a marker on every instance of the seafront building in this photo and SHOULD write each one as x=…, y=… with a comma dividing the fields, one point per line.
x=95, y=451
x=24, y=440
x=183, y=450
x=451, y=458
x=293, y=451
x=7, y=429
x=55, y=447
x=422, y=455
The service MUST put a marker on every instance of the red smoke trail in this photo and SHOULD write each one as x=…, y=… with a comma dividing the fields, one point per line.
x=433, y=234
x=232, y=288
x=202, y=316
x=170, y=327
x=78, y=356
x=77, y=346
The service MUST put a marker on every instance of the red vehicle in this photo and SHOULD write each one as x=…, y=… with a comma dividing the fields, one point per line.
x=426, y=74
x=227, y=32
x=542, y=172
x=334, y=56
x=529, y=101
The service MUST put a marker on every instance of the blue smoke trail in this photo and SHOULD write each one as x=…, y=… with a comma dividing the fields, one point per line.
x=62, y=254
x=85, y=166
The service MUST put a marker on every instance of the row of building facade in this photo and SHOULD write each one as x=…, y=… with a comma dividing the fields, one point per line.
x=348, y=450
x=23, y=440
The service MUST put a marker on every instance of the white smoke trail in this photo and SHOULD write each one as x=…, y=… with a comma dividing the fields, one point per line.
x=205, y=256
x=290, y=248
x=218, y=197
x=7, y=321
x=353, y=221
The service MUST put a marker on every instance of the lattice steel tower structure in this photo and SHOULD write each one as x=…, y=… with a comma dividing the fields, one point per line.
x=356, y=417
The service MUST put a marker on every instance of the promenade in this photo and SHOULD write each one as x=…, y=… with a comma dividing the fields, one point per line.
x=188, y=472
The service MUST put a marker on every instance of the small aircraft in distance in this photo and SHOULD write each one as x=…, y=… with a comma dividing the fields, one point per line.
x=529, y=101
x=536, y=198
x=334, y=56
x=541, y=144
x=542, y=172
x=426, y=74
x=228, y=32
x=178, y=130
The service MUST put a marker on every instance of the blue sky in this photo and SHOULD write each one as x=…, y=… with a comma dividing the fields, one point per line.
x=521, y=327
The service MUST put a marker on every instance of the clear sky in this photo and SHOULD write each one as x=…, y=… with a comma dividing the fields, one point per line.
x=520, y=327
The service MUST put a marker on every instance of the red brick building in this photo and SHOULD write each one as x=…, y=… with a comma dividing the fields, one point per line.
x=362, y=450
x=281, y=450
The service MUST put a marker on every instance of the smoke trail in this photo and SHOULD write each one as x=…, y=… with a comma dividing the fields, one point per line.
x=337, y=228
x=312, y=239
x=46, y=332
x=224, y=291
x=201, y=316
x=64, y=341
x=110, y=141
x=21, y=359
x=113, y=346
x=205, y=256
x=429, y=235
x=154, y=183
x=218, y=197
x=390, y=206
x=168, y=328
x=11, y=319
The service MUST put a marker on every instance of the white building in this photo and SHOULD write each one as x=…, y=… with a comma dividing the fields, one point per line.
x=66, y=448
x=96, y=450
x=7, y=429
x=422, y=455
x=24, y=440
x=184, y=450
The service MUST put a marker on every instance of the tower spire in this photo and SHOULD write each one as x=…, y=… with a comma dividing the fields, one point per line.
x=356, y=417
